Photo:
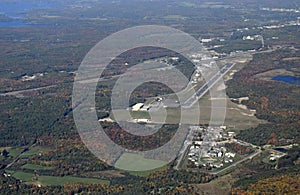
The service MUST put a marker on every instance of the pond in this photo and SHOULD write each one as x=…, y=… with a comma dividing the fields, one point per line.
x=281, y=150
x=287, y=79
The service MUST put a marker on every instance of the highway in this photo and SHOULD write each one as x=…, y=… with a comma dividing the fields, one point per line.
x=205, y=88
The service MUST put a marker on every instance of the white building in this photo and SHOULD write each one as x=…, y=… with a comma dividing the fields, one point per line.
x=142, y=120
x=137, y=106
x=223, y=127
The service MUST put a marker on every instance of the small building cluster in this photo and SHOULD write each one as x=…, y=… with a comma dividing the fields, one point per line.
x=208, y=149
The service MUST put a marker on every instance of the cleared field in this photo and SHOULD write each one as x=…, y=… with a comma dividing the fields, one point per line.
x=135, y=162
x=123, y=115
x=146, y=173
x=56, y=181
x=36, y=167
x=15, y=151
x=140, y=114
x=34, y=151
x=22, y=175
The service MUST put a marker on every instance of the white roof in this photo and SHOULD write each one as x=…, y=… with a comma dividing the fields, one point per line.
x=137, y=106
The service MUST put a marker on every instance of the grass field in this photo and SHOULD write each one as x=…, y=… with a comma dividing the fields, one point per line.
x=147, y=173
x=135, y=162
x=36, y=167
x=34, y=151
x=15, y=151
x=56, y=181
x=140, y=114
x=22, y=175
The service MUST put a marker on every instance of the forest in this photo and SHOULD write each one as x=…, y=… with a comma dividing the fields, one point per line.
x=37, y=130
x=275, y=102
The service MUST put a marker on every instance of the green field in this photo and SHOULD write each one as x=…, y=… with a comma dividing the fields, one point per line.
x=31, y=152
x=140, y=114
x=135, y=162
x=55, y=181
x=22, y=175
x=147, y=173
x=15, y=151
x=58, y=181
x=34, y=151
x=36, y=167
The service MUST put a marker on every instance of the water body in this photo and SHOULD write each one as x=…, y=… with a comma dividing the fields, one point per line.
x=16, y=10
x=13, y=23
x=287, y=79
x=281, y=150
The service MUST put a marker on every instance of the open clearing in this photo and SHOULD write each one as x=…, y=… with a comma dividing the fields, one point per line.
x=36, y=167
x=147, y=173
x=135, y=162
x=58, y=181
x=54, y=180
x=35, y=151
x=14, y=152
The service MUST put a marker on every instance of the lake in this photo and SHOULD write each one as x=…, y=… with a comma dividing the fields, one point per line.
x=17, y=9
x=287, y=79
